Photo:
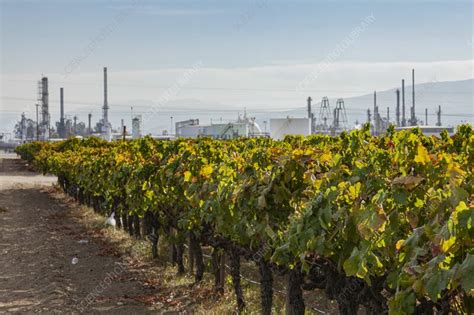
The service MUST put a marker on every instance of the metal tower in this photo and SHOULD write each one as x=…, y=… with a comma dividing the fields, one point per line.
x=340, y=116
x=324, y=120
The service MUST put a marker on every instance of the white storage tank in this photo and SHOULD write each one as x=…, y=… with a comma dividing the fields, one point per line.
x=281, y=127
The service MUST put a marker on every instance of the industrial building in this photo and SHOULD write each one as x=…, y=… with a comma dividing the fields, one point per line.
x=242, y=127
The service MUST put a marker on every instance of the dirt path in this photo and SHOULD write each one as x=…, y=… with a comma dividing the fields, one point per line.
x=39, y=237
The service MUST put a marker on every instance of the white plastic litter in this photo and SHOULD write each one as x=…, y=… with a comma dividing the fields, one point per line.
x=74, y=261
x=83, y=241
x=111, y=220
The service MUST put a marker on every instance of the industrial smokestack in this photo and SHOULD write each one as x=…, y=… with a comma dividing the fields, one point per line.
x=61, y=97
x=404, y=122
x=89, y=126
x=309, y=114
x=106, y=104
x=376, y=111
x=388, y=114
x=106, y=126
x=61, y=126
x=426, y=116
x=375, y=101
x=413, y=119
x=309, y=106
x=397, y=112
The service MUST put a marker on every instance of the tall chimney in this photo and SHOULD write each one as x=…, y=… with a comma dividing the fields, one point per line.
x=397, y=112
x=106, y=105
x=90, y=118
x=309, y=106
x=388, y=114
x=426, y=116
x=309, y=114
x=61, y=126
x=376, y=111
x=404, y=122
x=413, y=119
x=375, y=101
x=45, y=107
x=61, y=97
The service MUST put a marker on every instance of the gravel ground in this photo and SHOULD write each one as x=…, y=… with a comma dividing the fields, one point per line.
x=39, y=237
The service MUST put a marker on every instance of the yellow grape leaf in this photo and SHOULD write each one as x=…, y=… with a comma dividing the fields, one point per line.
x=149, y=194
x=187, y=176
x=399, y=244
x=325, y=158
x=446, y=244
x=460, y=208
x=419, y=203
x=354, y=191
x=422, y=155
x=206, y=170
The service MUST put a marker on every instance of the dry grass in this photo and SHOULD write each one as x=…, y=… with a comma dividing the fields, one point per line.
x=173, y=292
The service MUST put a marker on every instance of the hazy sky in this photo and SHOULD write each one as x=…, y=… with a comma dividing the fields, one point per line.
x=267, y=54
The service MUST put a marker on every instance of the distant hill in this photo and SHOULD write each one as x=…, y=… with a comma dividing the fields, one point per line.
x=455, y=97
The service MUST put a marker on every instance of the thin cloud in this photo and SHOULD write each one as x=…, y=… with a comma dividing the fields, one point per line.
x=160, y=11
